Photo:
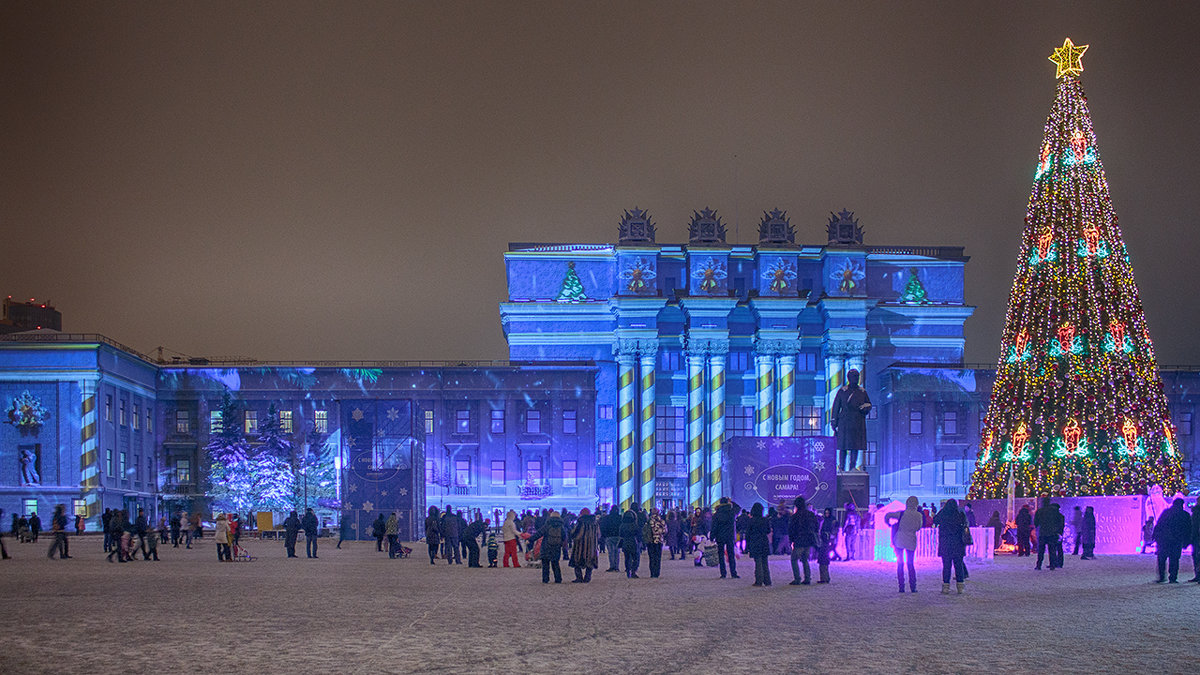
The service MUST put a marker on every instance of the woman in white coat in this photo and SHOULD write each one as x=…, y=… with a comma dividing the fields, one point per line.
x=904, y=526
x=508, y=534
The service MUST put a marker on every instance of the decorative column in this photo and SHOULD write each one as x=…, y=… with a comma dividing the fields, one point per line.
x=787, y=394
x=648, y=355
x=695, y=428
x=625, y=450
x=833, y=381
x=89, y=454
x=764, y=415
x=716, y=423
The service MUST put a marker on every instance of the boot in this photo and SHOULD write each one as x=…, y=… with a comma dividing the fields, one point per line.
x=945, y=589
x=959, y=585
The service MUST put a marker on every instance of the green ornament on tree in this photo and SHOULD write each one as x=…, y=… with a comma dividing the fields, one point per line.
x=914, y=292
x=572, y=287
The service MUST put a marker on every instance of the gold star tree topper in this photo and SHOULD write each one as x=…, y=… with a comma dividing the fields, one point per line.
x=1068, y=58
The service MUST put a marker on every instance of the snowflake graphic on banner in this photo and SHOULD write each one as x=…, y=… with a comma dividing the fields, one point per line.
x=819, y=465
x=403, y=492
x=761, y=445
x=818, y=446
x=392, y=414
x=368, y=506
x=749, y=470
x=357, y=415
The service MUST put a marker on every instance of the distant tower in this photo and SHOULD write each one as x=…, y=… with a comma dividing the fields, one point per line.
x=636, y=228
x=844, y=229
x=775, y=229
x=706, y=228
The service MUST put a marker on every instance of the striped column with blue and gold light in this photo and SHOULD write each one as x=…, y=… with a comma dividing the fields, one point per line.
x=647, y=464
x=695, y=429
x=89, y=453
x=833, y=381
x=716, y=423
x=787, y=395
x=764, y=409
x=625, y=427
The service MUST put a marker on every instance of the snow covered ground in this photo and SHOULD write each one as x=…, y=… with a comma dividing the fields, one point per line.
x=355, y=611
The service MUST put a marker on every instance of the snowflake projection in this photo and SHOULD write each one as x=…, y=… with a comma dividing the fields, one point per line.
x=368, y=506
x=819, y=465
x=403, y=492
x=761, y=445
x=351, y=442
x=357, y=415
x=818, y=446
x=353, y=487
x=380, y=432
x=779, y=275
x=848, y=276
x=637, y=275
x=383, y=493
x=393, y=414
x=709, y=274
x=778, y=442
x=749, y=470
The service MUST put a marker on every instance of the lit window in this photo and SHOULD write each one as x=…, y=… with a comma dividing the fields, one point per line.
x=137, y=417
x=604, y=453
x=739, y=421
x=124, y=464
x=183, y=471
x=429, y=421
x=569, y=422
x=462, y=421
x=606, y=495
x=533, y=422
x=605, y=411
x=78, y=507
x=497, y=472
x=533, y=470
x=183, y=423
x=914, y=474
x=570, y=474
x=462, y=472
x=872, y=458
x=321, y=421
x=497, y=421
x=111, y=468
x=251, y=426
x=808, y=420
x=124, y=414
x=214, y=422
x=915, y=417
x=30, y=505
x=949, y=472
x=669, y=360
x=950, y=423
x=285, y=421
x=670, y=436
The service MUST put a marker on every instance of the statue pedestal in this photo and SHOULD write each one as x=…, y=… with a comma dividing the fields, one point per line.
x=852, y=487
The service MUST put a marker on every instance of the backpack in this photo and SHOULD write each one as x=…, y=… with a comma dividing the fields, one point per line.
x=648, y=533
x=554, y=535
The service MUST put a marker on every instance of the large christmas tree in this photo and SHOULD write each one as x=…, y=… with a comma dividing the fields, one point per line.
x=1077, y=407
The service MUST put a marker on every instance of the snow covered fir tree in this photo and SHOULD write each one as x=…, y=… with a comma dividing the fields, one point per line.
x=1077, y=407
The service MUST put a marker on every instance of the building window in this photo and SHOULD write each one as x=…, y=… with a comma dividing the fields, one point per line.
x=914, y=422
x=497, y=421
x=872, y=458
x=150, y=473
x=462, y=421
x=606, y=411
x=739, y=421
x=429, y=421
x=108, y=408
x=149, y=420
x=111, y=469
x=285, y=421
x=533, y=471
x=124, y=465
x=670, y=360
x=321, y=421
x=1185, y=424
x=739, y=361
x=808, y=420
x=429, y=477
x=29, y=505
x=569, y=422
x=533, y=422
x=950, y=423
x=949, y=472
x=872, y=494
x=914, y=474
x=251, y=426
x=498, y=472
x=606, y=495
x=604, y=453
x=462, y=472
x=214, y=422
x=570, y=474
x=873, y=413
x=183, y=424
x=124, y=413
x=137, y=417
x=671, y=435
x=183, y=471
x=78, y=507
x=137, y=467
x=806, y=362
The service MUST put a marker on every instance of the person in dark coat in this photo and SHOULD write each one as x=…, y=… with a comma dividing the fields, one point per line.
x=105, y=519
x=1077, y=529
x=739, y=527
x=802, y=532
x=1043, y=523
x=1024, y=530
x=723, y=534
x=630, y=538
x=849, y=420
x=450, y=530
x=758, y=545
x=291, y=531
x=470, y=538
x=674, y=534
x=1195, y=543
x=951, y=547
x=311, y=532
x=1172, y=532
x=552, y=534
x=1058, y=525
x=610, y=531
x=35, y=526
x=1087, y=534
x=176, y=525
x=826, y=544
x=344, y=531
x=850, y=525
x=433, y=537
x=140, y=527
x=997, y=529
x=584, y=541
x=378, y=529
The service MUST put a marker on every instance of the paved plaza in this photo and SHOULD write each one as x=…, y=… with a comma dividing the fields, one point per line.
x=356, y=611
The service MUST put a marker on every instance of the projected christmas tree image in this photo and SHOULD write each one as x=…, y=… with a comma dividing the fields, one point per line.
x=1077, y=407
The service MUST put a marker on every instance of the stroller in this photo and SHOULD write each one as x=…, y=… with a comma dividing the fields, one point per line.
x=242, y=554
x=402, y=551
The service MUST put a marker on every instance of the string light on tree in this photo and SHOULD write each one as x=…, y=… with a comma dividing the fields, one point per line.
x=1077, y=407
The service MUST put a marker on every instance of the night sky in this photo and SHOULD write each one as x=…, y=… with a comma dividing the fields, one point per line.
x=340, y=180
